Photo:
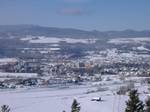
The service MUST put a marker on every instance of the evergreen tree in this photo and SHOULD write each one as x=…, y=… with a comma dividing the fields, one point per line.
x=75, y=106
x=134, y=104
x=5, y=108
x=147, y=105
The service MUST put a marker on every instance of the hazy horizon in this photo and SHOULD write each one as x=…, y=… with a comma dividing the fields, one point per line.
x=75, y=28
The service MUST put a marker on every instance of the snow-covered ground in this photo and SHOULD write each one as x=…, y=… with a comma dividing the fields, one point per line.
x=142, y=48
x=55, y=40
x=7, y=60
x=26, y=75
x=57, y=100
x=128, y=40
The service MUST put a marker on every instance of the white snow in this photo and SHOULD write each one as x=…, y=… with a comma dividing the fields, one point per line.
x=55, y=45
x=58, y=100
x=4, y=74
x=54, y=49
x=128, y=40
x=7, y=60
x=55, y=40
x=4, y=61
x=49, y=50
x=142, y=48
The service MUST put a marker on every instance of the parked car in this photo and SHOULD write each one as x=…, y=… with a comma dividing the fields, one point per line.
x=96, y=99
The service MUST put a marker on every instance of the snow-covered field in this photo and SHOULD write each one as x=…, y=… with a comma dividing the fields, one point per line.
x=7, y=60
x=57, y=100
x=55, y=40
x=128, y=40
x=26, y=75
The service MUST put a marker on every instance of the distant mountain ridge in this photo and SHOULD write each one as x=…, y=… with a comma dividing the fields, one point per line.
x=35, y=30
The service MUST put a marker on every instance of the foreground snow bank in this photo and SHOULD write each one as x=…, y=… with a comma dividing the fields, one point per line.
x=58, y=100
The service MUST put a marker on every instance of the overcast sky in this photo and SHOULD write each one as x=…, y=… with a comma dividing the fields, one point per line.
x=81, y=14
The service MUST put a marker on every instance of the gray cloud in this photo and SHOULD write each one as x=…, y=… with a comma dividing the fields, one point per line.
x=71, y=12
